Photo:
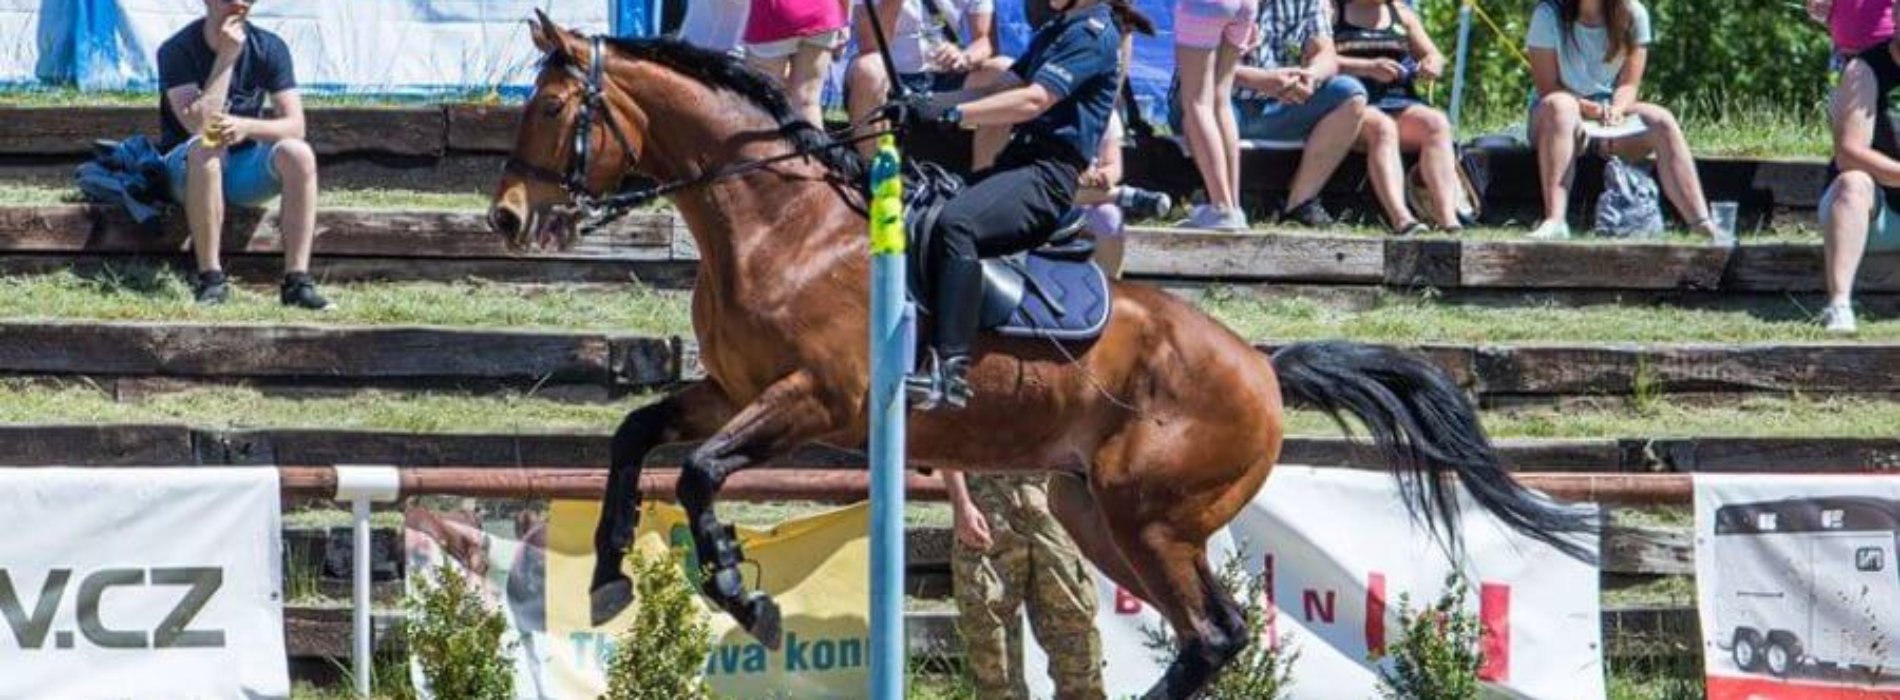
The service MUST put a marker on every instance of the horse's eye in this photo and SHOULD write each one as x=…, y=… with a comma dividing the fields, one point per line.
x=552, y=107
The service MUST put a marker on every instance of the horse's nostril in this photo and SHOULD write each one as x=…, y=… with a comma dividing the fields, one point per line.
x=504, y=221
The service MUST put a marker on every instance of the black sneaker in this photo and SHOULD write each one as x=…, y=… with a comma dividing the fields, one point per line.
x=1308, y=213
x=301, y=291
x=211, y=289
x=1138, y=204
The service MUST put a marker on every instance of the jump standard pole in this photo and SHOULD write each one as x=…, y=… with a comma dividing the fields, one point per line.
x=892, y=347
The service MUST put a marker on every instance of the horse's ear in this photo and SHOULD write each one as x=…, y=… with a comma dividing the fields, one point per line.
x=547, y=37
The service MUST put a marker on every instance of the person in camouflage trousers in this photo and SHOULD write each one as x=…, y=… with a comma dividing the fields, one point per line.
x=1011, y=553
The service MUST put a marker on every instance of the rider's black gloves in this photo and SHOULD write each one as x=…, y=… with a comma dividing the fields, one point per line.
x=921, y=107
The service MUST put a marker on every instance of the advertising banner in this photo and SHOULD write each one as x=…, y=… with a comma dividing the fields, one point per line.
x=816, y=567
x=147, y=583
x=1798, y=585
x=1337, y=550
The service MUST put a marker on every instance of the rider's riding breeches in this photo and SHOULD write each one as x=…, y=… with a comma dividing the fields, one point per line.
x=1011, y=207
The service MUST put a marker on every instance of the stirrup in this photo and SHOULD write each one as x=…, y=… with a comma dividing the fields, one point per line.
x=931, y=387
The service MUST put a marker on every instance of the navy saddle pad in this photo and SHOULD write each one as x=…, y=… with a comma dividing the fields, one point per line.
x=1056, y=291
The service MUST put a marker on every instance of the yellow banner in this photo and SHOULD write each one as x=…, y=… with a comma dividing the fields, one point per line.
x=817, y=568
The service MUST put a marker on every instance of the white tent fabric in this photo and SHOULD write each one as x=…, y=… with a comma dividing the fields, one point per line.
x=20, y=47
x=339, y=45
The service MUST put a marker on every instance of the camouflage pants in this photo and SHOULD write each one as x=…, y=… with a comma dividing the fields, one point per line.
x=1033, y=563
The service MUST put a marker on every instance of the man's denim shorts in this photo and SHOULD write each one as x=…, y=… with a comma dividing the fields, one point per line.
x=1273, y=120
x=250, y=179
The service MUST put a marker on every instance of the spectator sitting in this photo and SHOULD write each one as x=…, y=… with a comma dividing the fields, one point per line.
x=1106, y=202
x=1853, y=25
x=215, y=75
x=718, y=25
x=1588, y=57
x=1384, y=44
x=1858, y=210
x=1290, y=89
x=793, y=40
x=924, y=50
x=1209, y=37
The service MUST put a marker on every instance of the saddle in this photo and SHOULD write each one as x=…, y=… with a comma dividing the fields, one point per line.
x=1055, y=291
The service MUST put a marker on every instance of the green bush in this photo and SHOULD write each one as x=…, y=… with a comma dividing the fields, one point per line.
x=663, y=655
x=1262, y=671
x=1754, y=53
x=1435, y=655
x=457, y=639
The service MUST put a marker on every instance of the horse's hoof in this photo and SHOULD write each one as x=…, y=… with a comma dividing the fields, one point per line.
x=609, y=600
x=765, y=626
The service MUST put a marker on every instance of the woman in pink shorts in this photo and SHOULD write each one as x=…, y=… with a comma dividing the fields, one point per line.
x=1209, y=38
x=793, y=40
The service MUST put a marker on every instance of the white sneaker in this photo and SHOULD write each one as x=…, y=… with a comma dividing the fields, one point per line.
x=1551, y=230
x=1839, y=319
x=1201, y=216
x=1230, y=220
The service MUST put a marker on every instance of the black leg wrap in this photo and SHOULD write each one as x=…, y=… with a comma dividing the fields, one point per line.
x=610, y=592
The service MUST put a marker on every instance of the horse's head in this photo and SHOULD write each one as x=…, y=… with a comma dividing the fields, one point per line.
x=571, y=145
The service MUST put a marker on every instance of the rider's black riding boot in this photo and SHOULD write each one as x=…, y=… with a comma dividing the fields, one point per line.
x=954, y=317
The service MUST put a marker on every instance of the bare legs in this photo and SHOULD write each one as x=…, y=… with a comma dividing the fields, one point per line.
x=1207, y=82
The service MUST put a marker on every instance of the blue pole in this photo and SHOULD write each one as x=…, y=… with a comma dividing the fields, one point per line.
x=891, y=341
x=1464, y=53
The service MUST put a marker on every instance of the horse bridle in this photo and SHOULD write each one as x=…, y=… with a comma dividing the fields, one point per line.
x=593, y=99
x=598, y=210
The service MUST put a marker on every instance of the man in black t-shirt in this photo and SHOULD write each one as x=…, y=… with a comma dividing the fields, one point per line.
x=216, y=75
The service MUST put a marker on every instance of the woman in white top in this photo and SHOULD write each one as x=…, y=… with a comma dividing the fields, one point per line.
x=1587, y=57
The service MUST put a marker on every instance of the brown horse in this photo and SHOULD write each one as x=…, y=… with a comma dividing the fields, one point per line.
x=1159, y=432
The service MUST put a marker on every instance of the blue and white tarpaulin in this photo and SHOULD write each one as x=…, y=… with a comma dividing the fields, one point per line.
x=385, y=46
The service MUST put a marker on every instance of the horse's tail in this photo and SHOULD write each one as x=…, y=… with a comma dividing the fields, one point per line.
x=1426, y=429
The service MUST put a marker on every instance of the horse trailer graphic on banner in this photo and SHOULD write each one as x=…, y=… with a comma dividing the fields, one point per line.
x=1817, y=599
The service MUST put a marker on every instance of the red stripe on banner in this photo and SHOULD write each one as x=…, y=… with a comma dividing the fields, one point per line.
x=1494, y=635
x=1273, y=613
x=1375, y=614
x=1727, y=688
x=1126, y=603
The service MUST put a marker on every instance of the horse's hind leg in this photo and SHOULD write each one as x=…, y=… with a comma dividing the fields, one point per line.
x=788, y=414
x=689, y=414
x=1209, y=627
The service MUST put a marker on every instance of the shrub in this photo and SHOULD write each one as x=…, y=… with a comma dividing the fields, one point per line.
x=457, y=639
x=663, y=655
x=1262, y=671
x=1435, y=655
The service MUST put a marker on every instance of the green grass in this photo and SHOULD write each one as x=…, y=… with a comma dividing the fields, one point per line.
x=65, y=96
x=26, y=195
x=136, y=292
x=24, y=401
x=1734, y=130
x=151, y=293
x=1411, y=319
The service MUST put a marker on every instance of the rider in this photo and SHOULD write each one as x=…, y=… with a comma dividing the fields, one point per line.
x=1058, y=97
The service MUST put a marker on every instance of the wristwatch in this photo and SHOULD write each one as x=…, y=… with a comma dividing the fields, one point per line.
x=953, y=116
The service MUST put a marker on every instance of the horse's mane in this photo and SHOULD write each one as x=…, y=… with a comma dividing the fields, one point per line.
x=723, y=72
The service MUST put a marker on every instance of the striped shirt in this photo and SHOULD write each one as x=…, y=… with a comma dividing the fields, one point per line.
x=1285, y=28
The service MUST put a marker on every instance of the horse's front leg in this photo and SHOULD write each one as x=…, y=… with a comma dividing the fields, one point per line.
x=788, y=414
x=692, y=413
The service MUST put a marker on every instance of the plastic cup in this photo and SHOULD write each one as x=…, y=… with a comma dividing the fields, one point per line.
x=1724, y=215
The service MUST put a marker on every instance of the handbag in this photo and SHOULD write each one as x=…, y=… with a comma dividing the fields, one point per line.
x=1630, y=205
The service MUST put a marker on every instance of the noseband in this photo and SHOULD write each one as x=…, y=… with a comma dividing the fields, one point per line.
x=593, y=100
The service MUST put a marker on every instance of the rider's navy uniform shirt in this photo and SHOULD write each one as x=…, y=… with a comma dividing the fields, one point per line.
x=1074, y=57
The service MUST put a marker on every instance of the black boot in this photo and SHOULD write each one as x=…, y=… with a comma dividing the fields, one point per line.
x=954, y=317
